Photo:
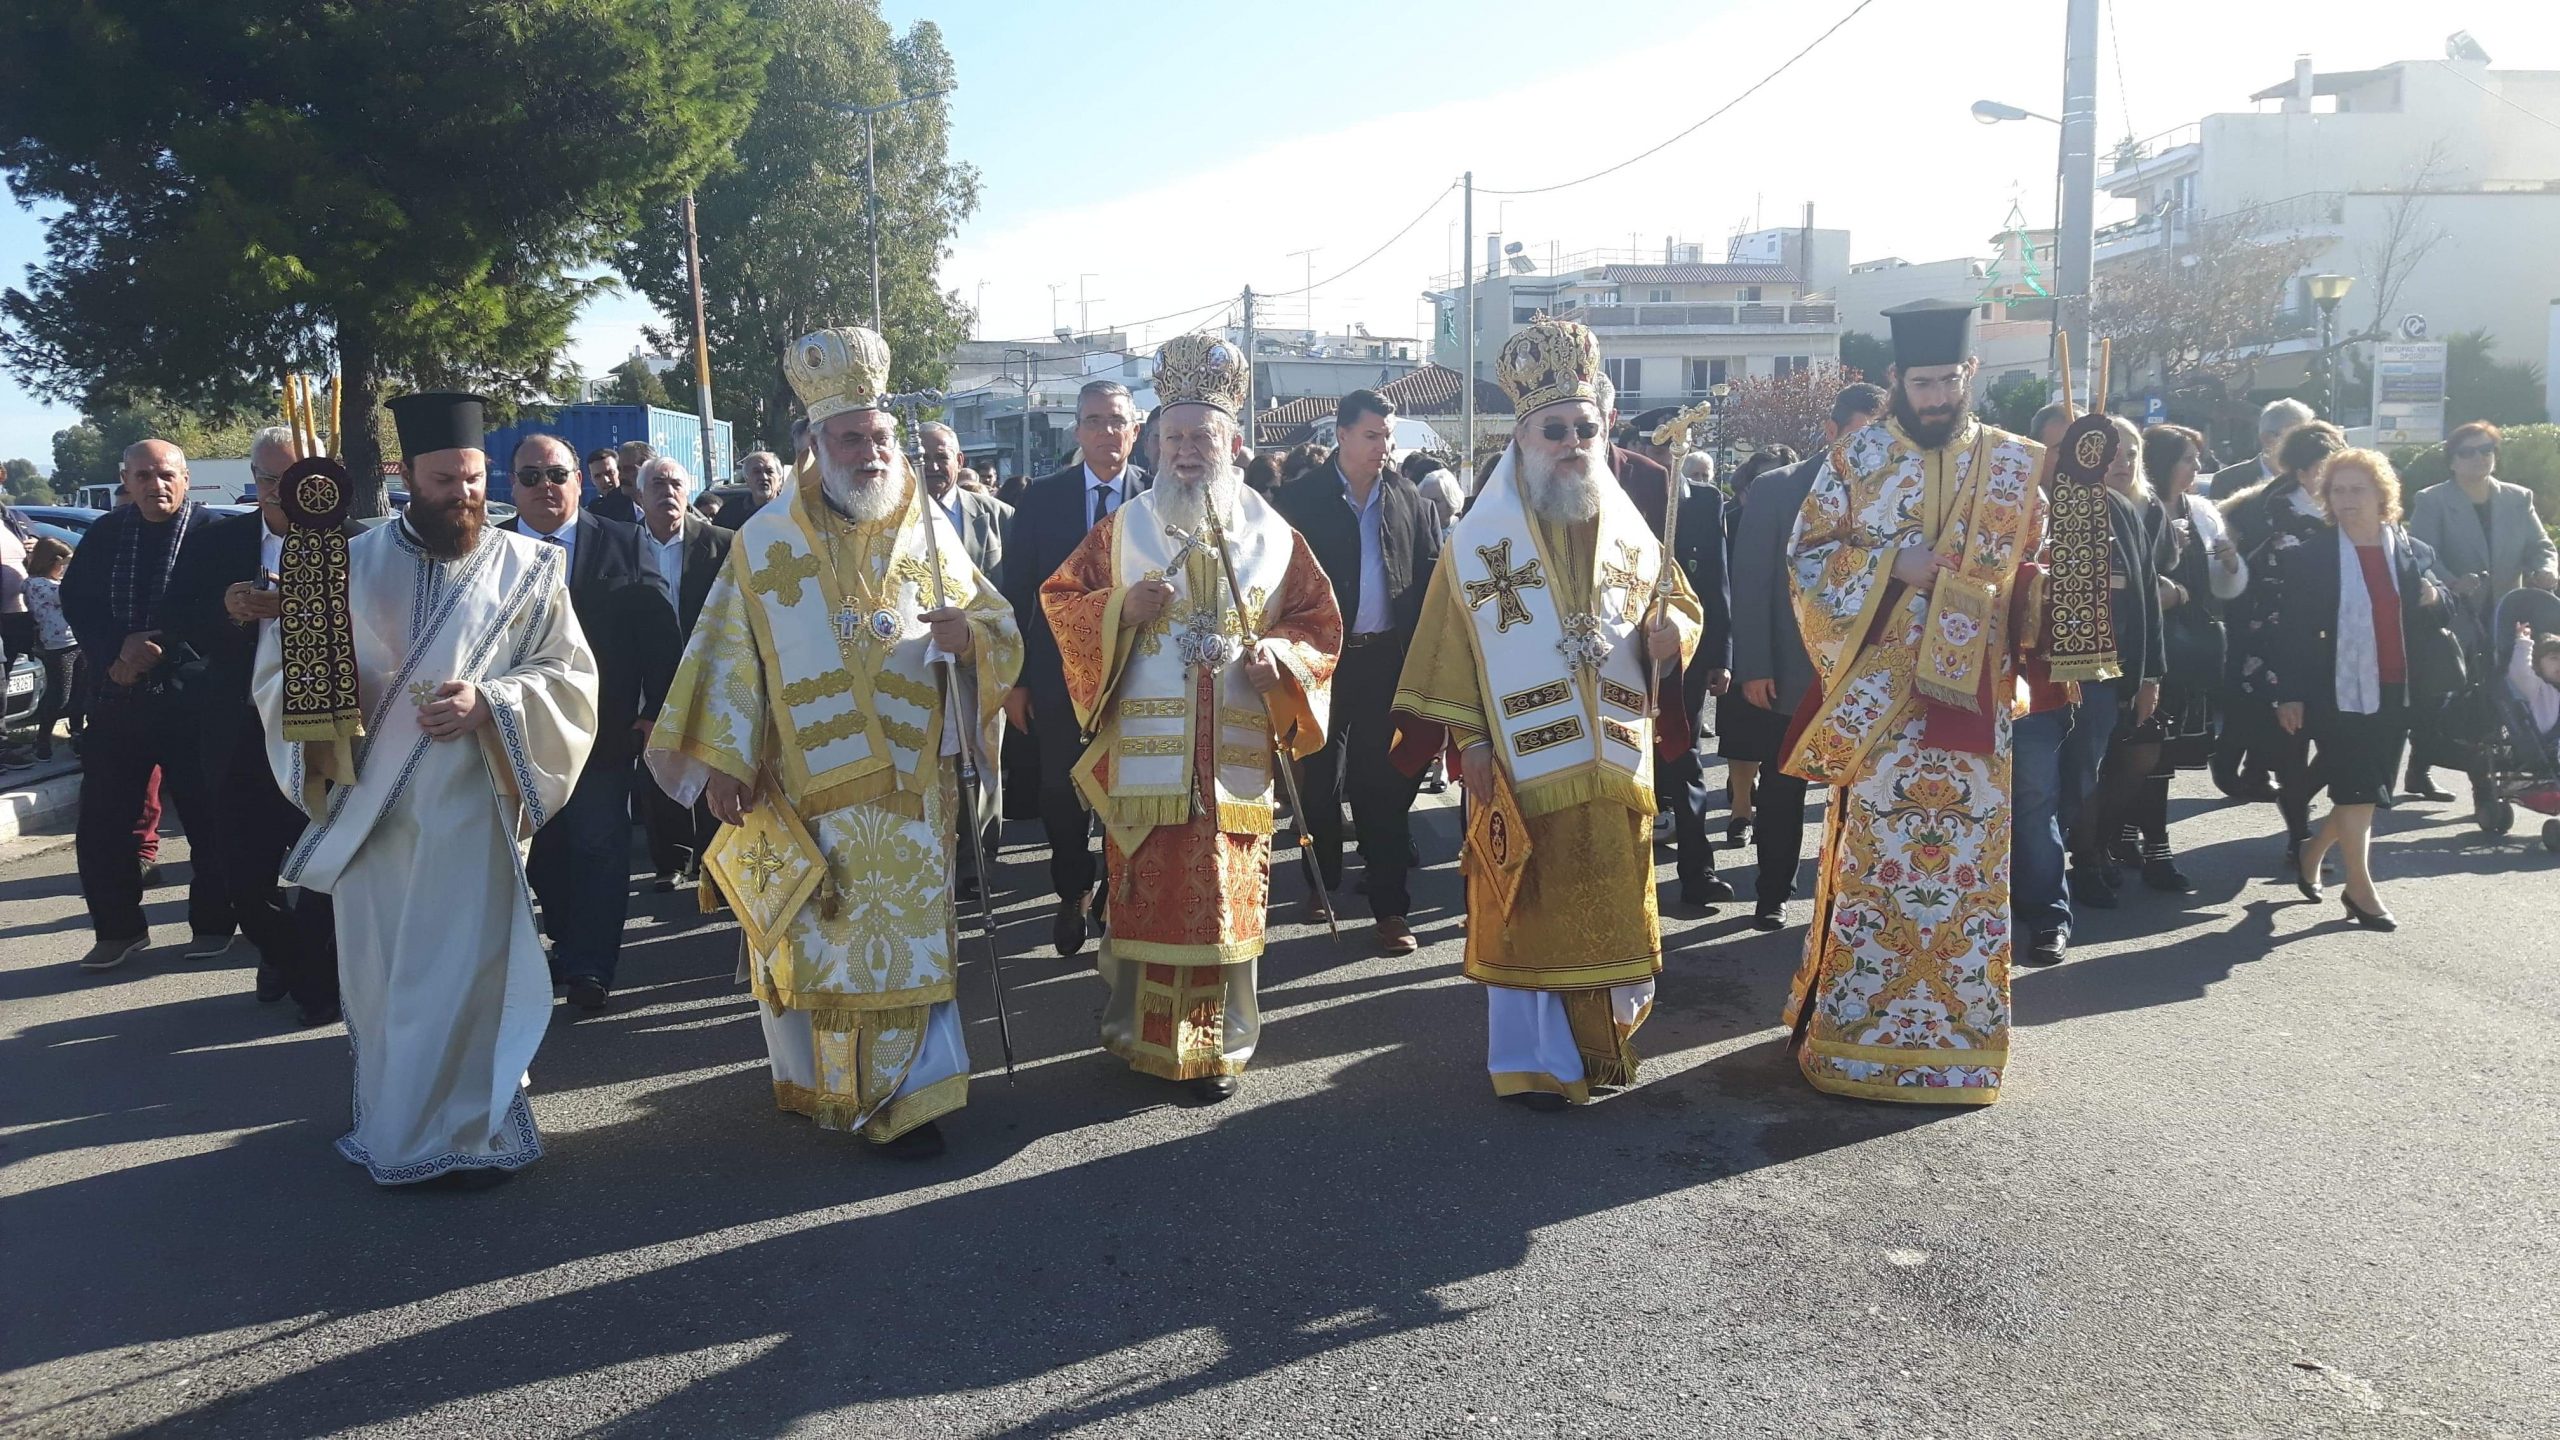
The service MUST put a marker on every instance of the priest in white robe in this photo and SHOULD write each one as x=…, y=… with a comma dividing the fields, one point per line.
x=847, y=654
x=477, y=698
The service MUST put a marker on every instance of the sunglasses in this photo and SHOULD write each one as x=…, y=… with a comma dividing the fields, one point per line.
x=543, y=475
x=1556, y=430
x=2474, y=452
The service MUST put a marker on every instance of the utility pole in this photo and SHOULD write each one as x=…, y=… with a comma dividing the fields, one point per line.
x=870, y=179
x=701, y=342
x=1054, y=287
x=1467, y=317
x=1084, y=307
x=1248, y=366
x=2075, y=239
x=1307, y=297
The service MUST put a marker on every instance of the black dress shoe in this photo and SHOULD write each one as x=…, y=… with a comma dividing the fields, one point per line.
x=664, y=884
x=271, y=984
x=313, y=1016
x=1738, y=831
x=2369, y=919
x=922, y=1143
x=1768, y=917
x=1066, y=928
x=151, y=877
x=1706, y=890
x=2043, y=950
x=587, y=993
x=2164, y=875
x=2089, y=887
x=1211, y=1089
x=1545, y=1102
x=966, y=888
x=2422, y=786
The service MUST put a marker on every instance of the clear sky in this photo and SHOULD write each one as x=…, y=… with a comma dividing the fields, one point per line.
x=1169, y=154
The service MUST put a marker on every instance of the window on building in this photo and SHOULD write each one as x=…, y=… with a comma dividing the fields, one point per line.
x=1628, y=376
x=1747, y=294
x=1786, y=365
x=1657, y=296
x=1524, y=314
x=1705, y=375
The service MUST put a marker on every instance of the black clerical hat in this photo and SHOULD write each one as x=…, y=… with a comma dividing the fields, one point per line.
x=433, y=420
x=1652, y=420
x=1932, y=332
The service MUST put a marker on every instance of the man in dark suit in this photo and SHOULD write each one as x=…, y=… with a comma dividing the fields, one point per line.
x=687, y=552
x=221, y=597
x=1681, y=784
x=1377, y=539
x=1771, y=671
x=1051, y=521
x=580, y=867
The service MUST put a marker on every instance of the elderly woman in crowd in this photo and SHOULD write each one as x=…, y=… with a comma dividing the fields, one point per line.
x=2364, y=636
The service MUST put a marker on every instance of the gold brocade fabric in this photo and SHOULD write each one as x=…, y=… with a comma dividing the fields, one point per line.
x=1584, y=917
x=859, y=1067
x=1191, y=893
x=2079, y=633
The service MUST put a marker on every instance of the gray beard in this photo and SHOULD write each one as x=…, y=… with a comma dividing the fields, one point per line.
x=1186, y=507
x=1567, y=491
x=863, y=499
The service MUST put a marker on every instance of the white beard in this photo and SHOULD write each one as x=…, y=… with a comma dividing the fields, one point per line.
x=1183, y=506
x=864, y=497
x=1566, y=490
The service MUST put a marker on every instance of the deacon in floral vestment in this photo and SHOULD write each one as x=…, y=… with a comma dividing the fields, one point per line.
x=1183, y=691
x=813, y=715
x=1551, y=640
x=1906, y=554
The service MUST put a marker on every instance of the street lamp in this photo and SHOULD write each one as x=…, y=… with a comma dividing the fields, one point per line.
x=2326, y=291
x=1992, y=112
x=870, y=185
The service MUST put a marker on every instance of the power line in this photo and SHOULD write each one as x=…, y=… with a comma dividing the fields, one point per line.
x=1854, y=12
x=2499, y=96
x=1372, y=255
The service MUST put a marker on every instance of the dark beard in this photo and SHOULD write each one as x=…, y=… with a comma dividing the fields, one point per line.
x=1929, y=434
x=451, y=530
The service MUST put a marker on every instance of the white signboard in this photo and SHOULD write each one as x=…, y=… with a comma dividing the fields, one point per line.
x=2408, y=393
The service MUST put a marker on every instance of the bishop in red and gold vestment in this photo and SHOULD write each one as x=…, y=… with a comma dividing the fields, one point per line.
x=1196, y=629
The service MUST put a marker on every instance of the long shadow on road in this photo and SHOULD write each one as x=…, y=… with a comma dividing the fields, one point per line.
x=693, y=1217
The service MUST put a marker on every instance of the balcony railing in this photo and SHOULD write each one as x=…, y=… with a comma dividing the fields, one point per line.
x=1618, y=317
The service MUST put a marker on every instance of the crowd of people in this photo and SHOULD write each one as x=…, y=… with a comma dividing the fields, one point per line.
x=819, y=694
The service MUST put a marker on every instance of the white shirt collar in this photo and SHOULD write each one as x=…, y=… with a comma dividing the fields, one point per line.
x=1093, y=482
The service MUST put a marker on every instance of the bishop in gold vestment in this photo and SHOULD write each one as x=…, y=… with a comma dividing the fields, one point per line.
x=1182, y=691
x=1906, y=555
x=814, y=714
x=1548, y=636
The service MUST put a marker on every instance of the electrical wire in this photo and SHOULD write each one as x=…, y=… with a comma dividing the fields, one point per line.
x=1854, y=12
x=2500, y=97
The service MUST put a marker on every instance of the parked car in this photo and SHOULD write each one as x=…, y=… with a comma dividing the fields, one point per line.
x=26, y=688
x=75, y=518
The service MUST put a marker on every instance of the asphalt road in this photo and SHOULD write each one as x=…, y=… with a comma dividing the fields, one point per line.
x=2255, y=1174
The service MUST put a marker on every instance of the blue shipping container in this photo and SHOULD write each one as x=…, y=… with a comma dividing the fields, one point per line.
x=589, y=428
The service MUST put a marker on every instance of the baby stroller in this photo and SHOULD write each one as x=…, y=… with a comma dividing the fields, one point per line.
x=2513, y=758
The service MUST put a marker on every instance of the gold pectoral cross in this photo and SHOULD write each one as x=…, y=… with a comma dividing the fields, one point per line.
x=1505, y=584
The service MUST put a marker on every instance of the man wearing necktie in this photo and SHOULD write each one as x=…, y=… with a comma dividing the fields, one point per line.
x=580, y=865
x=1050, y=523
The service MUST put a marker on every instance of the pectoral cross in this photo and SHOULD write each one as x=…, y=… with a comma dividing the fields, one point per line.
x=763, y=864
x=1505, y=584
x=1584, y=648
x=422, y=693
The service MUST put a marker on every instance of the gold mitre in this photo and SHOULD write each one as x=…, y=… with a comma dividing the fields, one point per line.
x=1201, y=370
x=840, y=369
x=1550, y=361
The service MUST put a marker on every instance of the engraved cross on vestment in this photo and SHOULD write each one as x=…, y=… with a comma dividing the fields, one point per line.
x=1505, y=584
x=1624, y=575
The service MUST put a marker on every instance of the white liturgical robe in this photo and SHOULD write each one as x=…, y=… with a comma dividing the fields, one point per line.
x=440, y=968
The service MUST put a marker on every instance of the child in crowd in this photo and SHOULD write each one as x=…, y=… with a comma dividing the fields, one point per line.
x=56, y=648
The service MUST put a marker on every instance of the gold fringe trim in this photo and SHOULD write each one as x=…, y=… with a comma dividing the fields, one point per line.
x=1148, y=811
x=1582, y=787
x=324, y=728
x=2098, y=667
x=1565, y=978
x=1538, y=1082
x=1246, y=817
x=839, y=1011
